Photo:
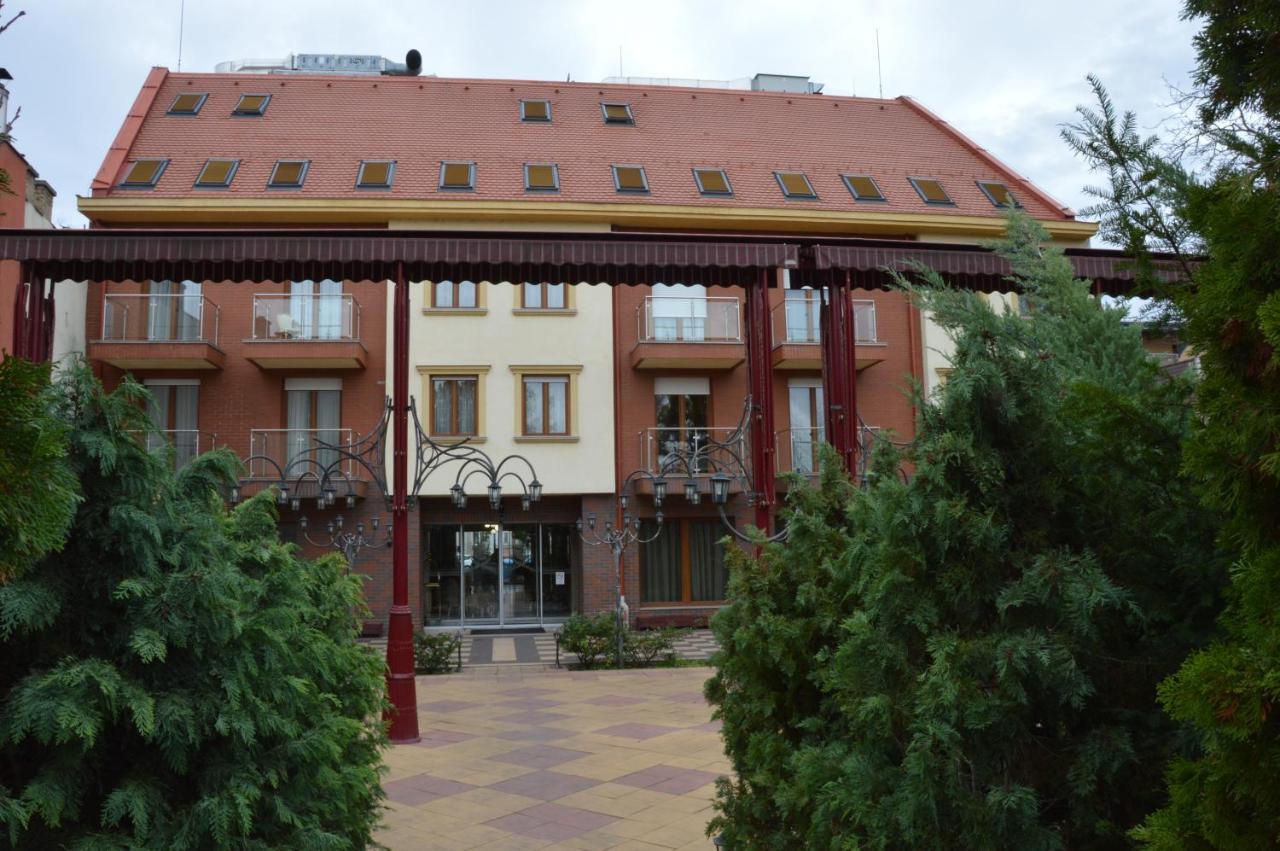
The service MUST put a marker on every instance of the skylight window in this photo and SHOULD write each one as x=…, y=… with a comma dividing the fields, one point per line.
x=863, y=187
x=931, y=191
x=630, y=178
x=217, y=174
x=457, y=176
x=144, y=174
x=375, y=174
x=288, y=174
x=617, y=113
x=795, y=184
x=252, y=105
x=187, y=104
x=535, y=110
x=998, y=194
x=541, y=177
x=712, y=181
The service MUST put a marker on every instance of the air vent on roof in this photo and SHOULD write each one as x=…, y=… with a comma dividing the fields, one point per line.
x=326, y=63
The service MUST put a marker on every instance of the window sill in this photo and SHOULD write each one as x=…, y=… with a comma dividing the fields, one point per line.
x=546, y=438
x=456, y=439
x=544, y=311
x=454, y=311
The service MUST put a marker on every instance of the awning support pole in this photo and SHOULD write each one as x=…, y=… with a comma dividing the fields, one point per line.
x=760, y=386
x=840, y=368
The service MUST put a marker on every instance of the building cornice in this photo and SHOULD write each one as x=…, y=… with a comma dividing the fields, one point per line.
x=166, y=211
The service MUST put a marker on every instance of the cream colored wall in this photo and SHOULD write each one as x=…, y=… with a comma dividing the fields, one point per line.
x=501, y=338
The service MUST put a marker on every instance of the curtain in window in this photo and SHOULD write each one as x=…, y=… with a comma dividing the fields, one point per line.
x=660, y=566
x=442, y=406
x=466, y=407
x=555, y=296
x=706, y=562
x=466, y=294
x=328, y=416
x=160, y=311
x=329, y=324
x=158, y=412
x=802, y=307
x=532, y=407
x=189, y=310
x=301, y=307
x=558, y=407
x=298, y=437
x=186, y=442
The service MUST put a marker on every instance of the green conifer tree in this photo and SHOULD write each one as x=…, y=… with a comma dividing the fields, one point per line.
x=1215, y=191
x=967, y=657
x=173, y=676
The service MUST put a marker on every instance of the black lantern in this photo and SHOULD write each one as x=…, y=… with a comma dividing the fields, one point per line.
x=659, y=490
x=535, y=491
x=495, y=496
x=691, y=492
x=720, y=488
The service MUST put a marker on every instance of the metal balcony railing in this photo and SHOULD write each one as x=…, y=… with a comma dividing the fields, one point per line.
x=299, y=452
x=664, y=319
x=306, y=317
x=185, y=443
x=676, y=451
x=182, y=318
x=796, y=321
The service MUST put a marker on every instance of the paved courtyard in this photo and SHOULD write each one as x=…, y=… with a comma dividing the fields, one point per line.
x=514, y=758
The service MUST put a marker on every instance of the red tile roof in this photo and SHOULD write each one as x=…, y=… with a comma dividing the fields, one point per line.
x=335, y=122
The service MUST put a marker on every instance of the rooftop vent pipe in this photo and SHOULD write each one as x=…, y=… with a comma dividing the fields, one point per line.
x=412, y=66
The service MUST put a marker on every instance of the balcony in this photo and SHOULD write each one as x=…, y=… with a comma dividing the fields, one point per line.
x=303, y=457
x=797, y=334
x=675, y=452
x=306, y=332
x=184, y=444
x=798, y=449
x=688, y=333
x=158, y=332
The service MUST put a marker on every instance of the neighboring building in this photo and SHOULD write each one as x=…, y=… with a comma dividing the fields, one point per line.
x=588, y=382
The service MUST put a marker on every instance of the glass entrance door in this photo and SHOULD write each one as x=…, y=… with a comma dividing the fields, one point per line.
x=489, y=575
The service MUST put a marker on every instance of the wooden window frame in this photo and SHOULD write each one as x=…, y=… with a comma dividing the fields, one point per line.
x=544, y=287
x=571, y=372
x=455, y=371
x=313, y=415
x=546, y=380
x=477, y=306
x=686, y=566
x=453, y=413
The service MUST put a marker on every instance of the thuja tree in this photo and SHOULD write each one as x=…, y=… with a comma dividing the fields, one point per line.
x=173, y=676
x=967, y=657
x=1214, y=189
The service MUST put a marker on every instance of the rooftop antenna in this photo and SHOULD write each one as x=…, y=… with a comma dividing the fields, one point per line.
x=879, y=73
x=182, y=14
x=620, y=74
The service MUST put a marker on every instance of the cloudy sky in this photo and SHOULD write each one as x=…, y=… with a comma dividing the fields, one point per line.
x=1008, y=74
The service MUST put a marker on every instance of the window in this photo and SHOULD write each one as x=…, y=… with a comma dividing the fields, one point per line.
x=318, y=311
x=684, y=563
x=453, y=405
x=187, y=104
x=535, y=110
x=808, y=423
x=375, y=174
x=464, y=295
x=546, y=404
x=630, y=178
x=679, y=313
x=795, y=184
x=931, y=190
x=288, y=174
x=173, y=409
x=217, y=174
x=998, y=194
x=313, y=413
x=175, y=310
x=862, y=187
x=541, y=177
x=712, y=181
x=457, y=176
x=252, y=105
x=544, y=296
x=617, y=113
x=144, y=173
x=682, y=419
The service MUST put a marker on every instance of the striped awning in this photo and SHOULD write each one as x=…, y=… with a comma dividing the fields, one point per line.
x=115, y=255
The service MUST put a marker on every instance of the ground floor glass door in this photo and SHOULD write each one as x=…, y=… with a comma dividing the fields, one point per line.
x=489, y=575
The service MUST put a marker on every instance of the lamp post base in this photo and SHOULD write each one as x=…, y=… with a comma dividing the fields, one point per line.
x=401, y=686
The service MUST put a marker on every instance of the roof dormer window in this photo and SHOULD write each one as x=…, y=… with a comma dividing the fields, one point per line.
x=795, y=184
x=252, y=105
x=217, y=174
x=712, y=181
x=931, y=191
x=535, y=110
x=617, y=113
x=144, y=174
x=998, y=194
x=187, y=104
x=863, y=187
x=375, y=174
x=457, y=176
x=630, y=178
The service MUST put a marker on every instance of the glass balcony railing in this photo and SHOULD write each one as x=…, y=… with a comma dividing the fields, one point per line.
x=796, y=321
x=664, y=319
x=184, y=443
x=680, y=451
x=306, y=317
x=183, y=318
x=298, y=453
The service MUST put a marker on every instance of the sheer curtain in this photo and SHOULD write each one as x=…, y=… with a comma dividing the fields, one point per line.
x=189, y=308
x=186, y=441
x=160, y=311
x=467, y=407
x=329, y=311
x=328, y=417
x=706, y=562
x=298, y=436
x=158, y=412
x=660, y=567
x=442, y=406
x=301, y=306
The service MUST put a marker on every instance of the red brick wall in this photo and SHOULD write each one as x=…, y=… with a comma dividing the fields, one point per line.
x=12, y=215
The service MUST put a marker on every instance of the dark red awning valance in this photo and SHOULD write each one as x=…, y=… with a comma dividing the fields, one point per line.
x=257, y=256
